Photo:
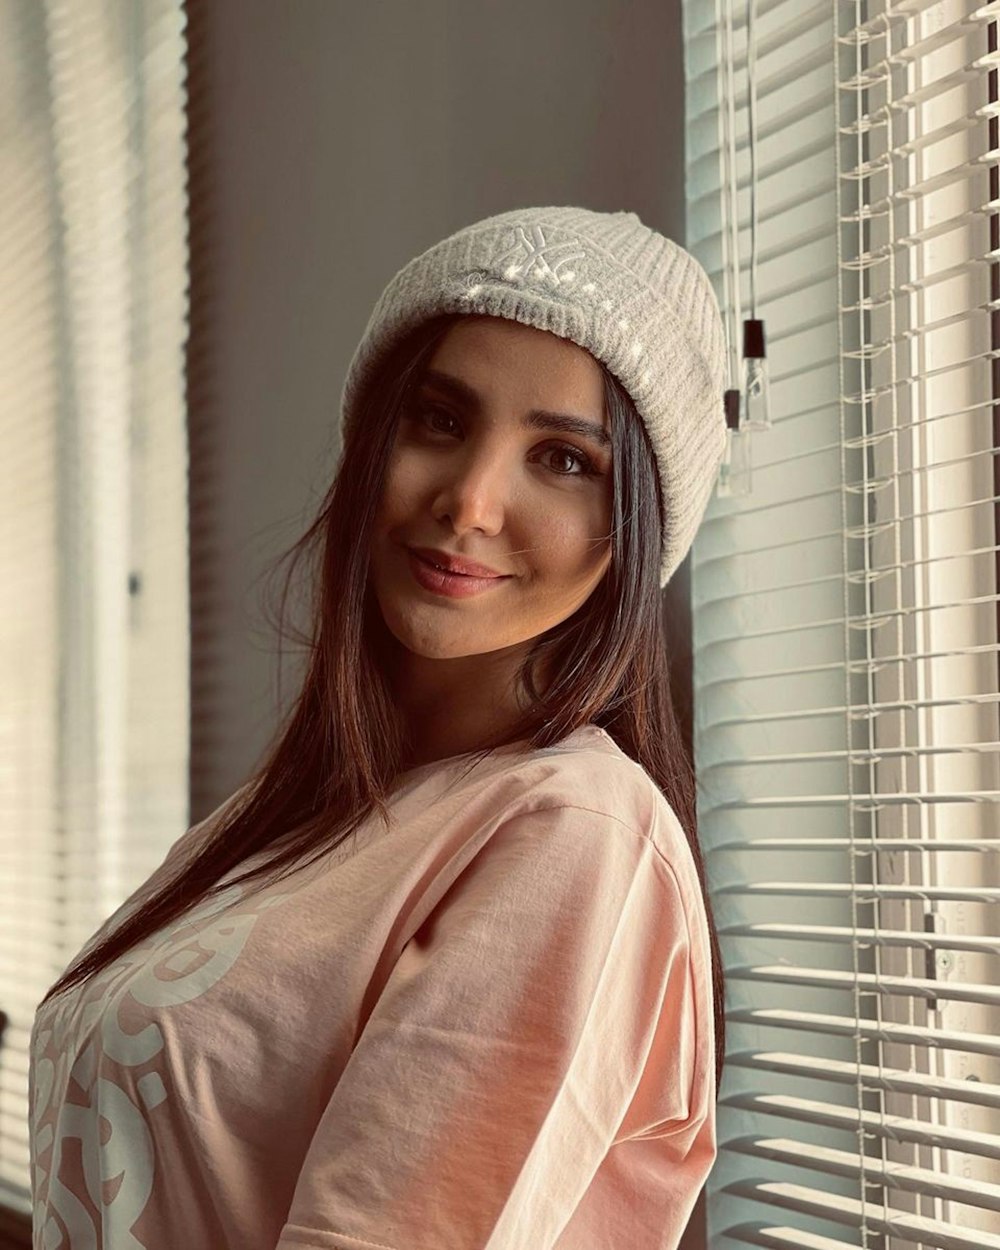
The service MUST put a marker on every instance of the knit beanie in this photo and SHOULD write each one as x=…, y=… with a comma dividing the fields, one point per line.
x=637, y=301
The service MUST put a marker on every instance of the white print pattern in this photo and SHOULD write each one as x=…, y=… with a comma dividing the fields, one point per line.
x=531, y=260
x=177, y=965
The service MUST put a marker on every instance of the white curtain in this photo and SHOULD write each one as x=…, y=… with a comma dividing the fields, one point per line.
x=94, y=638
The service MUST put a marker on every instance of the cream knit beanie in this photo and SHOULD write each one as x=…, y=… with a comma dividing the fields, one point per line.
x=637, y=301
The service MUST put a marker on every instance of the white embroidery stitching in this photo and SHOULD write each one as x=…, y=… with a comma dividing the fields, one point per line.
x=530, y=260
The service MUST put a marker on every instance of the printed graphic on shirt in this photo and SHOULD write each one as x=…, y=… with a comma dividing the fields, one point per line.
x=93, y=1164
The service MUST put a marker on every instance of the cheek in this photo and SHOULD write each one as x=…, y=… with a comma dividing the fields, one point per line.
x=572, y=544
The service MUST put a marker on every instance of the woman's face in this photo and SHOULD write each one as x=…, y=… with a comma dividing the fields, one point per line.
x=470, y=476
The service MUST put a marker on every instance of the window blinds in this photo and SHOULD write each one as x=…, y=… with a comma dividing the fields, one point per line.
x=846, y=626
x=93, y=516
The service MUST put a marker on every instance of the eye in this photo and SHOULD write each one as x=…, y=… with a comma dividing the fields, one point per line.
x=587, y=466
x=428, y=413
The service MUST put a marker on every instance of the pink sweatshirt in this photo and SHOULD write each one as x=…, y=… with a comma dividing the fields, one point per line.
x=487, y=1028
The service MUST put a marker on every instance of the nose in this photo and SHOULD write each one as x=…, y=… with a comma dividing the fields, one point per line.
x=474, y=491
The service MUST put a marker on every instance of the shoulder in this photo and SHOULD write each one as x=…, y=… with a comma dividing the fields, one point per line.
x=590, y=772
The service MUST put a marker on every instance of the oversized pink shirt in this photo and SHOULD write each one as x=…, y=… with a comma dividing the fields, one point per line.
x=488, y=1027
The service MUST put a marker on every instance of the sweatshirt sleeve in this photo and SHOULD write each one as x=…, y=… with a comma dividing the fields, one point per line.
x=533, y=1073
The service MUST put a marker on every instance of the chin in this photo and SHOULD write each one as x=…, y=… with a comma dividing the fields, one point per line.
x=437, y=642
x=442, y=647
x=432, y=642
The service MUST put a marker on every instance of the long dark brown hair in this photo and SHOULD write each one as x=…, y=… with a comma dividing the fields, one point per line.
x=338, y=750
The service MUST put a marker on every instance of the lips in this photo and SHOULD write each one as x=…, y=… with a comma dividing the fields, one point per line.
x=456, y=565
x=447, y=584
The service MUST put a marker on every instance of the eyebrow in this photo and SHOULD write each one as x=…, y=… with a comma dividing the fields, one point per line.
x=537, y=418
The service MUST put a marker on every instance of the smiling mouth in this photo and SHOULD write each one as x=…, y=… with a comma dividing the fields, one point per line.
x=443, y=568
x=469, y=577
x=442, y=581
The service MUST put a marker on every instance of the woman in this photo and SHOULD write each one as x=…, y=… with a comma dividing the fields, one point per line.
x=493, y=1020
